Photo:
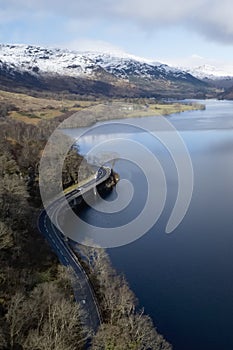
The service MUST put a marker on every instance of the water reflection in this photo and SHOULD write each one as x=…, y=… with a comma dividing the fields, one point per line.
x=184, y=280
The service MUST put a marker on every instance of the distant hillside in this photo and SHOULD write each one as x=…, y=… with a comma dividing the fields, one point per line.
x=227, y=94
x=57, y=70
x=219, y=78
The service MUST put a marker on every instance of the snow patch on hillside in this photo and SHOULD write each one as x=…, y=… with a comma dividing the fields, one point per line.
x=211, y=72
x=38, y=60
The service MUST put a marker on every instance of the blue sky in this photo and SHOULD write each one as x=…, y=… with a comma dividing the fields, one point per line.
x=179, y=32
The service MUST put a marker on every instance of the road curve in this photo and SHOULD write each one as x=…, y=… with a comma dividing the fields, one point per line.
x=83, y=290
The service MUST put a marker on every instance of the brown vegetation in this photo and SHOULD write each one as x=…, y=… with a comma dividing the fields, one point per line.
x=124, y=327
x=37, y=308
x=43, y=107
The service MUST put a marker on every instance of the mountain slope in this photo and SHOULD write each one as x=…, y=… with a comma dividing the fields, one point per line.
x=227, y=94
x=207, y=71
x=220, y=77
x=127, y=67
x=58, y=70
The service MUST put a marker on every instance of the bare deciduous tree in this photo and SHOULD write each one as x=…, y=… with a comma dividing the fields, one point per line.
x=16, y=320
x=124, y=327
x=134, y=332
x=6, y=236
x=45, y=320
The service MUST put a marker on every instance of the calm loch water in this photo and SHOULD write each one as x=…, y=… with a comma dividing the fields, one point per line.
x=183, y=279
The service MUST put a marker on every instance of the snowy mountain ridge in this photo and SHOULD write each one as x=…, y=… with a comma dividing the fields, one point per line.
x=38, y=60
x=211, y=72
x=42, y=60
x=96, y=73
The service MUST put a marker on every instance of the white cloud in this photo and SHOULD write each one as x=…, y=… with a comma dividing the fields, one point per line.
x=211, y=18
x=190, y=61
x=92, y=45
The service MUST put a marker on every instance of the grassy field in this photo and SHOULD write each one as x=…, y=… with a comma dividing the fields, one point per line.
x=159, y=109
x=33, y=109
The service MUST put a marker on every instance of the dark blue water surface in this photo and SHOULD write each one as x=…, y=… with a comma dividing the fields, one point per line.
x=184, y=279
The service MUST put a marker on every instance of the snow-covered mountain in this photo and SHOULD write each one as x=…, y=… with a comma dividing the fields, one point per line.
x=211, y=72
x=39, y=60
x=35, y=65
x=42, y=60
x=126, y=66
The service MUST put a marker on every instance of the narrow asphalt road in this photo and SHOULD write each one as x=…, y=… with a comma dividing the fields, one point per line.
x=83, y=290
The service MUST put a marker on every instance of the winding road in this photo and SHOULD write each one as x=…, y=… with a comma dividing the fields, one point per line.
x=83, y=290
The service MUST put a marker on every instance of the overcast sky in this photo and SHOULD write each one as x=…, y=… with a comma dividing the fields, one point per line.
x=181, y=32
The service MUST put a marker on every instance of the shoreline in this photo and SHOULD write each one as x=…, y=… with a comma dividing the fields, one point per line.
x=118, y=110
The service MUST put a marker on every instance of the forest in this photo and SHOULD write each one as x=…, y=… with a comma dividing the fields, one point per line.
x=37, y=306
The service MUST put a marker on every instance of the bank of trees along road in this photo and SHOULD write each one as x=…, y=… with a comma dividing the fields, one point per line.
x=37, y=305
